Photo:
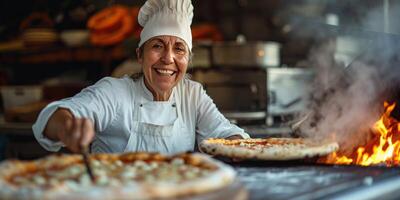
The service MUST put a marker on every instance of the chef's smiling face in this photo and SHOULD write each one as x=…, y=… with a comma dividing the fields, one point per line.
x=164, y=61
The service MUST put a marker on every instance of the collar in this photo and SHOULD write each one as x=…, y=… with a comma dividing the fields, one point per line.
x=149, y=96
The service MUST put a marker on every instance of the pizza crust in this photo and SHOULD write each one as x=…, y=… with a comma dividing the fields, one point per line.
x=222, y=175
x=275, y=148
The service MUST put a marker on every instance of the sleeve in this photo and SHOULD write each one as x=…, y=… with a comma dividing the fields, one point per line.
x=97, y=102
x=211, y=122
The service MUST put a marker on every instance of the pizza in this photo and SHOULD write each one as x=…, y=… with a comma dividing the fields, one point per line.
x=117, y=176
x=267, y=148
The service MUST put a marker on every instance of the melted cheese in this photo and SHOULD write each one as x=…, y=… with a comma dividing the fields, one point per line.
x=109, y=173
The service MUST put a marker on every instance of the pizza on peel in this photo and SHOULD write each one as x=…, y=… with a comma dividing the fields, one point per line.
x=267, y=148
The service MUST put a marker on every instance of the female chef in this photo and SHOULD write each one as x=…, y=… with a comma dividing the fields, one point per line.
x=158, y=110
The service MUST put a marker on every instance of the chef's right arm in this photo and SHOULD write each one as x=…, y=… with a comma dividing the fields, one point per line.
x=73, y=132
x=72, y=122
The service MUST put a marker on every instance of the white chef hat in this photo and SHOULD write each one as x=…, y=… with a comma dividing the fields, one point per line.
x=166, y=17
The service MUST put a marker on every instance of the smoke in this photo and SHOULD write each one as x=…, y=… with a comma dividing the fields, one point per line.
x=348, y=98
x=343, y=104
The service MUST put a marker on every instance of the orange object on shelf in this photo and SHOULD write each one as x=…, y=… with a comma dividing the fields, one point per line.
x=107, y=19
x=111, y=25
x=206, y=31
x=115, y=36
x=36, y=20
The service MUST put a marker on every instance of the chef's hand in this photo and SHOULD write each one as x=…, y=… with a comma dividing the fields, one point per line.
x=73, y=132
x=234, y=137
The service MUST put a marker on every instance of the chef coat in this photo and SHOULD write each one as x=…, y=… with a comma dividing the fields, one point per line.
x=127, y=119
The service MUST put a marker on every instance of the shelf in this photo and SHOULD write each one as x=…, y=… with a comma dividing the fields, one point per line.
x=15, y=128
x=58, y=54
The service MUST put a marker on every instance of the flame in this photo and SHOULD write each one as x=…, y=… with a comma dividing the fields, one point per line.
x=384, y=148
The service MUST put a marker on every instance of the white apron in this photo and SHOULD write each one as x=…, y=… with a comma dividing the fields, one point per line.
x=158, y=127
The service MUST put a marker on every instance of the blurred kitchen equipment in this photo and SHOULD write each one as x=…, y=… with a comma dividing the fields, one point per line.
x=26, y=113
x=52, y=92
x=348, y=48
x=22, y=103
x=37, y=30
x=247, y=54
x=239, y=94
x=73, y=38
x=234, y=75
x=20, y=95
x=39, y=36
x=11, y=45
x=202, y=55
x=36, y=20
x=288, y=91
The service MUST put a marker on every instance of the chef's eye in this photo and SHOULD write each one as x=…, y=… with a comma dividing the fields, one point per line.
x=181, y=50
x=157, y=46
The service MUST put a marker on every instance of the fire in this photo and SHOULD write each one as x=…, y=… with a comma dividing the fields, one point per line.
x=383, y=148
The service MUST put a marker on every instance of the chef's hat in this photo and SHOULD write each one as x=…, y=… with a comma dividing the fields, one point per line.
x=166, y=17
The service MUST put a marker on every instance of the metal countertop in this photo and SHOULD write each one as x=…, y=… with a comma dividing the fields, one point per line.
x=296, y=180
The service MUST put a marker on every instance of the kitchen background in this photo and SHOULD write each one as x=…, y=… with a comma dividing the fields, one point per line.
x=268, y=65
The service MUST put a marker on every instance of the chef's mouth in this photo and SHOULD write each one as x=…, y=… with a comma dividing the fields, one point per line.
x=165, y=72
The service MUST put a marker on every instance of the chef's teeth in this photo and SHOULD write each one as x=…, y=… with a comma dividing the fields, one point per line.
x=165, y=71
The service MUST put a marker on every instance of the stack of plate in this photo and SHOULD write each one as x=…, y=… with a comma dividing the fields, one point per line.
x=74, y=38
x=39, y=36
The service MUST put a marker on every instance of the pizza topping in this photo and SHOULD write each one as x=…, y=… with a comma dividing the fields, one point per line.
x=259, y=143
x=137, y=175
x=115, y=172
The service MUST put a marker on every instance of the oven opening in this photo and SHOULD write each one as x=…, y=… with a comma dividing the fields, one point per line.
x=381, y=149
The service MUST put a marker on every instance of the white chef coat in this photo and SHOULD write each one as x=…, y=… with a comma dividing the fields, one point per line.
x=127, y=119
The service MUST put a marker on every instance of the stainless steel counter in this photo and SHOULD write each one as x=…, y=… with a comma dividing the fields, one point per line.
x=298, y=180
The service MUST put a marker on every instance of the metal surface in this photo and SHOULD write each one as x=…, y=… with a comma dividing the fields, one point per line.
x=288, y=90
x=235, y=90
x=234, y=191
x=348, y=48
x=202, y=56
x=245, y=115
x=247, y=54
x=263, y=131
x=298, y=180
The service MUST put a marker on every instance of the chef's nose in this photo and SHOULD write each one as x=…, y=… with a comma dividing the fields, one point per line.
x=168, y=56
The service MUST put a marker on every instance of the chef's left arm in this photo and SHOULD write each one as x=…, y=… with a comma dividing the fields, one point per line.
x=211, y=123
